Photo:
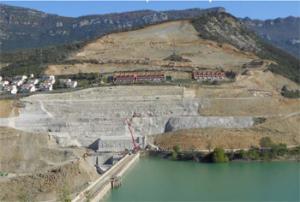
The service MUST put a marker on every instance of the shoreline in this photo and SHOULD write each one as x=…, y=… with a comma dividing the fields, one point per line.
x=290, y=155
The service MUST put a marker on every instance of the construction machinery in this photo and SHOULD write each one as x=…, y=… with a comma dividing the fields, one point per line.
x=136, y=147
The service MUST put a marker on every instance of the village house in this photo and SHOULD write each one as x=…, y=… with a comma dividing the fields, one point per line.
x=47, y=83
x=14, y=90
x=19, y=80
x=27, y=88
x=208, y=75
x=68, y=83
x=24, y=84
x=33, y=81
x=45, y=86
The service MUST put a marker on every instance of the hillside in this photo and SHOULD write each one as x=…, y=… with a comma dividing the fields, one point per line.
x=46, y=138
x=23, y=28
x=38, y=168
x=275, y=32
x=225, y=28
x=219, y=41
x=148, y=49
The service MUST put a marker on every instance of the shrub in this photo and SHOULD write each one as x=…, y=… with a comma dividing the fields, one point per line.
x=176, y=148
x=175, y=152
x=279, y=149
x=169, y=78
x=64, y=194
x=259, y=120
x=253, y=154
x=174, y=155
x=294, y=151
x=285, y=92
x=241, y=154
x=230, y=74
x=219, y=156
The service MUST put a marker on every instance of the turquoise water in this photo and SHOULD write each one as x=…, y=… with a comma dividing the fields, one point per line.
x=153, y=179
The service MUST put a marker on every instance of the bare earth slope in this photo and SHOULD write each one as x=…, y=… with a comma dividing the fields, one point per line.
x=147, y=48
x=38, y=169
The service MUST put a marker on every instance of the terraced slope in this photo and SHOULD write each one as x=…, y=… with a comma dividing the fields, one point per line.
x=81, y=117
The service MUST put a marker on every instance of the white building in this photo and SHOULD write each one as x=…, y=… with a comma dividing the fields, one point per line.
x=14, y=90
x=33, y=81
x=28, y=88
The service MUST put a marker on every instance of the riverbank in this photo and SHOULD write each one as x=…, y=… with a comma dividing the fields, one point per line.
x=276, y=152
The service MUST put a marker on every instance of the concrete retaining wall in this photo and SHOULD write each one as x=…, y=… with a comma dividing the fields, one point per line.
x=98, y=189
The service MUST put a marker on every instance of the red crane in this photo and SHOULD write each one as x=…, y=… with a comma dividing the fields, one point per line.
x=136, y=147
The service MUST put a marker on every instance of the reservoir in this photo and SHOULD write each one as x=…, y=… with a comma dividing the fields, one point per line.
x=154, y=179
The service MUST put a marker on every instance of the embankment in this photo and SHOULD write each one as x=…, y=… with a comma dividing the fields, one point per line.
x=98, y=189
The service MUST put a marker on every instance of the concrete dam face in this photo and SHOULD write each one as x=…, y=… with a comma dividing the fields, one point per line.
x=84, y=116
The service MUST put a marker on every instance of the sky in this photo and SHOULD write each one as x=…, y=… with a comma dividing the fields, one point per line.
x=252, y=9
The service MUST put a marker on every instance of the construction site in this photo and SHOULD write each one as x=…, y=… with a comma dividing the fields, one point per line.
x=96, y=133
x=82, y=142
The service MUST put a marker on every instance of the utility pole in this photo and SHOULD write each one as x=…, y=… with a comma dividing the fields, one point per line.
x=173, y=47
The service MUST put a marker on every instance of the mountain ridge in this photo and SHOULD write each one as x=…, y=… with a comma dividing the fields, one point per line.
x=214, y=25
x=37, y=29
x=25, y=28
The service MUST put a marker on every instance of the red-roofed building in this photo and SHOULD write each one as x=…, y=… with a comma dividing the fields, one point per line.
x=208, y=75
x=138, y=77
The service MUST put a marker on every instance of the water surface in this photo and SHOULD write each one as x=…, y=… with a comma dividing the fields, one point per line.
x=154, y=179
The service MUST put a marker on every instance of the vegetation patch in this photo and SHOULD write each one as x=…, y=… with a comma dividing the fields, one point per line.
x=219, y=156
x=259, y=120
x=177, y=58
x=285, y=92
x=267, y=151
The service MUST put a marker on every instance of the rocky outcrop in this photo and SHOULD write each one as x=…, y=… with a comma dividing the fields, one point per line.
x=225, y=28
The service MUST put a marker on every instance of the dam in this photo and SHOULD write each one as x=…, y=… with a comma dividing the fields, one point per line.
x=98, y=114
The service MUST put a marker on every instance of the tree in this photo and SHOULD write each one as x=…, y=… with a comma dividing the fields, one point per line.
x=174, y=155
x=243, y=154
x=176, y=150
x=253, y=154
x=265, y=142
x=219, y=156
x=279, y=149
